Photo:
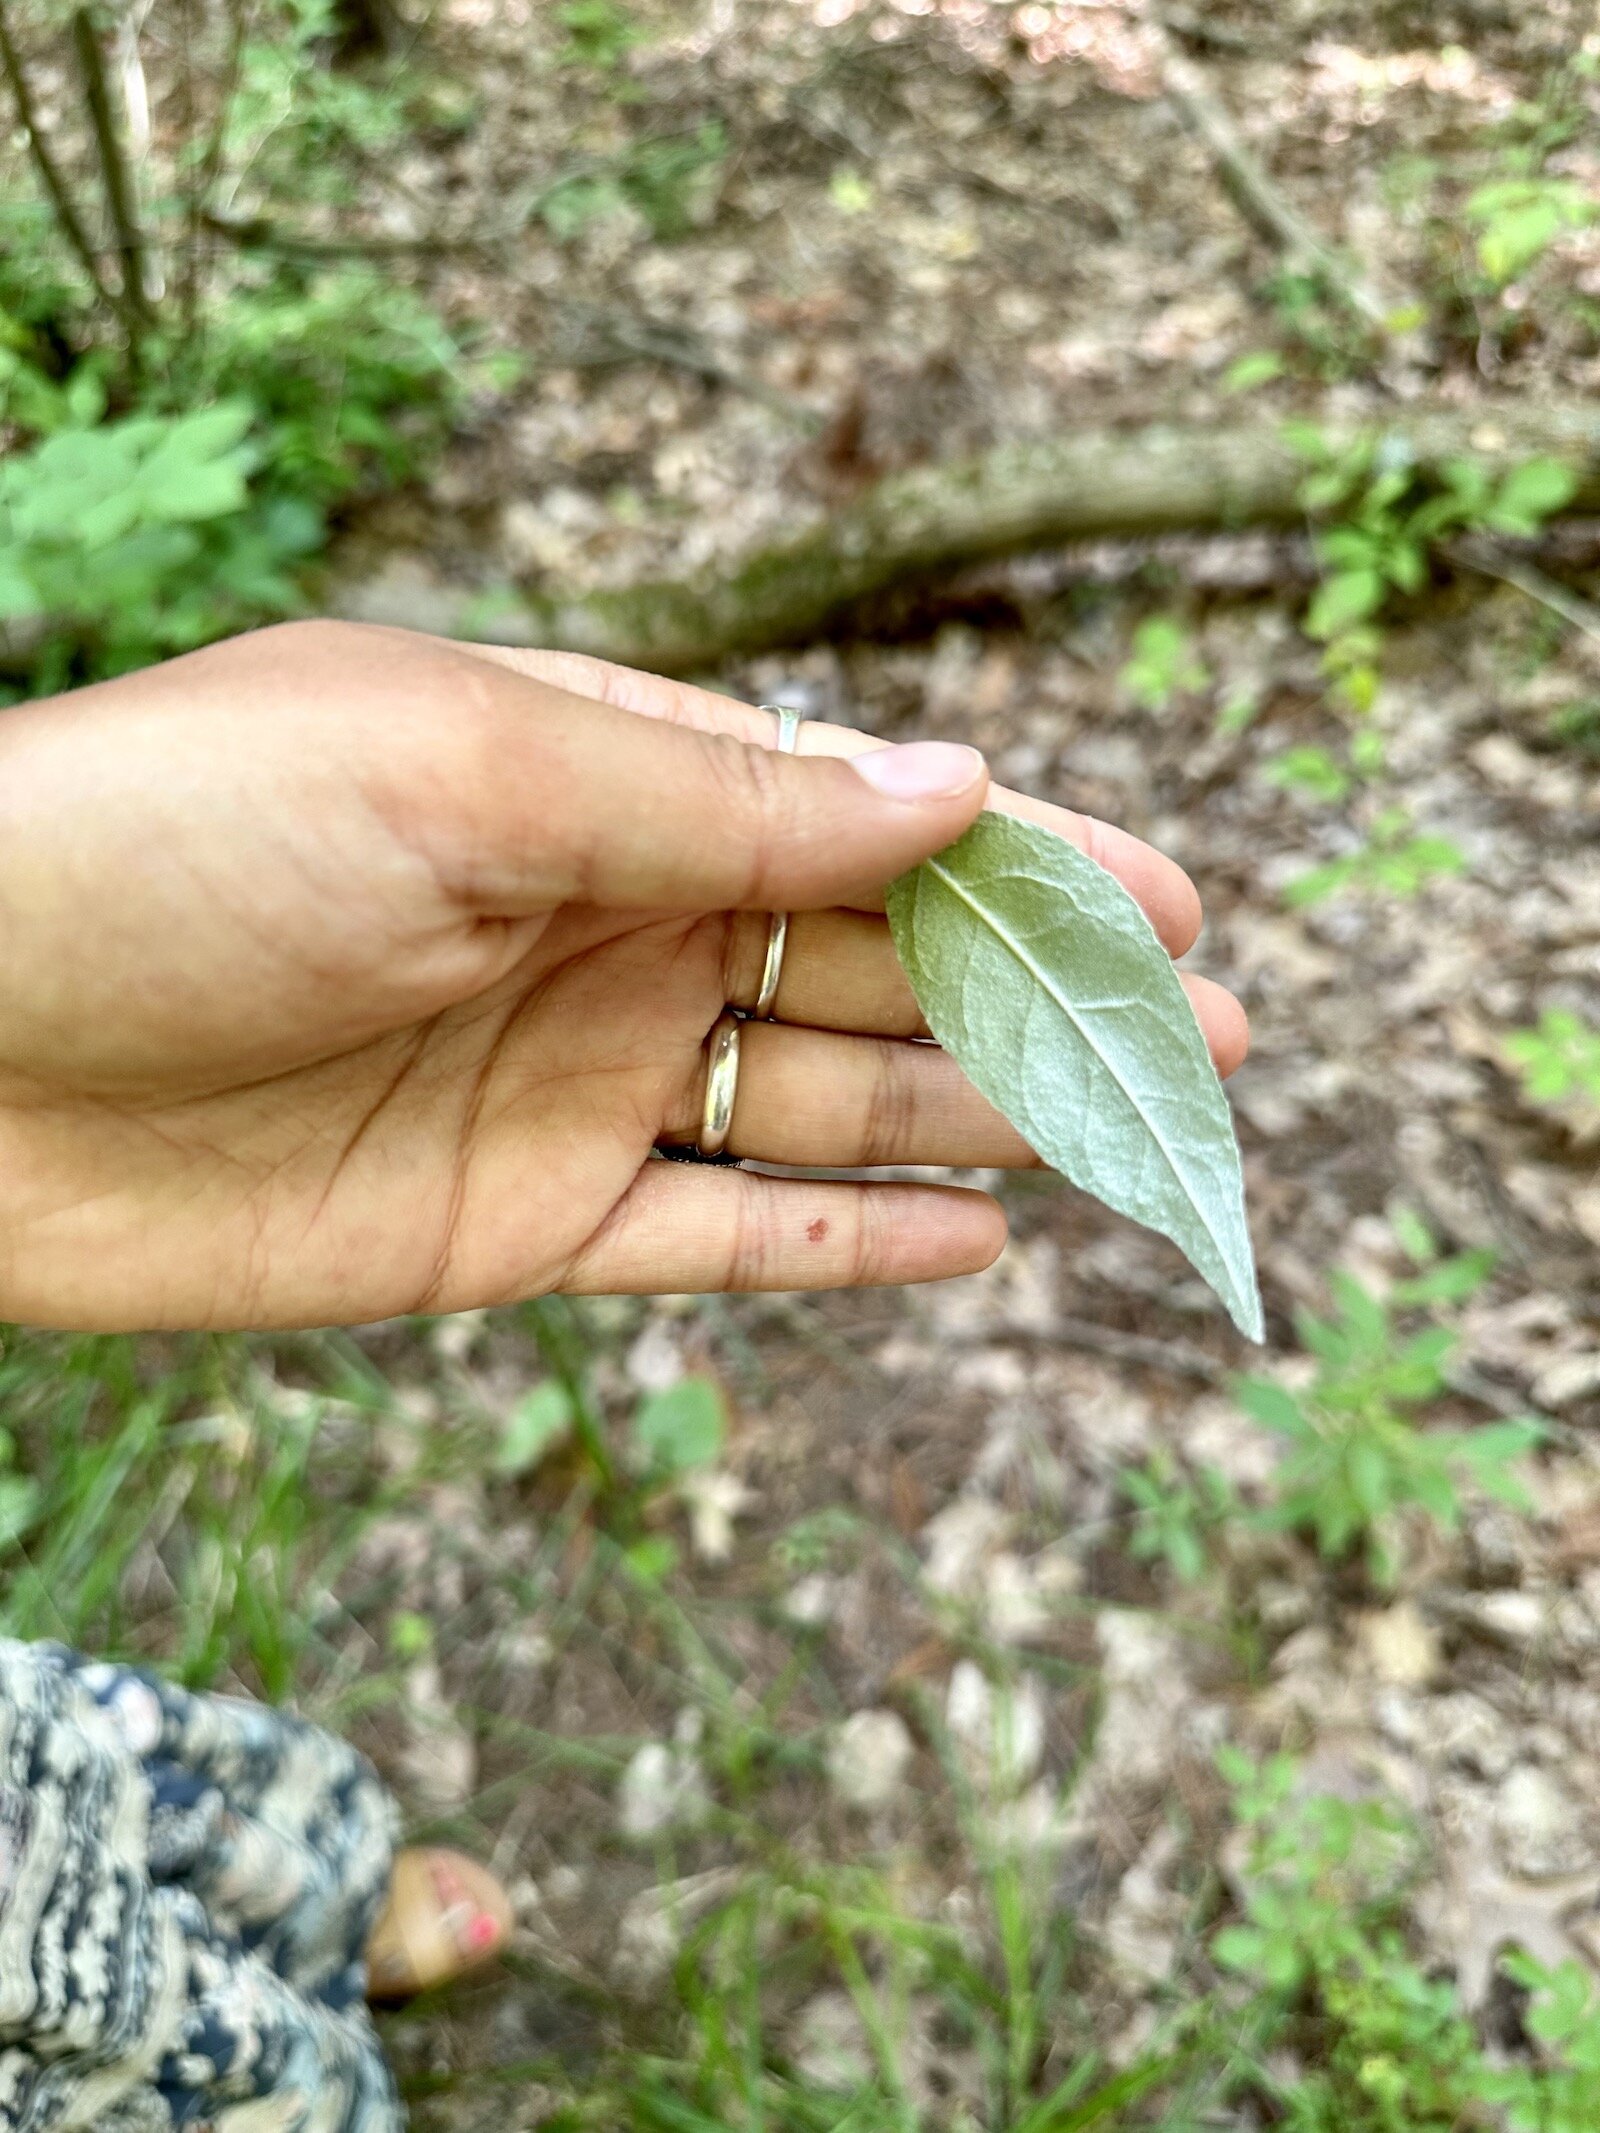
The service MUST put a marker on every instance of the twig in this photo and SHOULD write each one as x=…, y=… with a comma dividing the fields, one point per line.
x=44, y=162
x=205, y=175
x=1175, y=1359
x=113, y=165
x=1257, y=198
x=1198, y=30
x=657, y=342
x=1490, y=560
x=622, y=337
x=255, y=233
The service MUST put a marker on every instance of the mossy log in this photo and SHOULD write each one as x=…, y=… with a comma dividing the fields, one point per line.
x=919, y=526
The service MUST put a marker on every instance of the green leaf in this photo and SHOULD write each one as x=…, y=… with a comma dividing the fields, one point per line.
x=184, y=491
x=1245, y=373
x=1044, y=980
x=19, y=597
x=1270, y=1403
x=1348, y=596
x=533, y=1426
x=682, y=1427
x=1530, y=494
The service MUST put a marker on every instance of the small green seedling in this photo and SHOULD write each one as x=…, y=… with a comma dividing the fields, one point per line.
x=1248, y=373
x=1164, y=666
x=539, y=1422
x=599, y=34
x=680, y=1429
x=1313, y=772
x=1176, y=1513
x=1354, y=1452
x=1392, y=862
x=1558, y=1061
x=1518, y=219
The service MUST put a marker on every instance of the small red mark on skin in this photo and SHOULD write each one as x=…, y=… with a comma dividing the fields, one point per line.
x=817, y=1230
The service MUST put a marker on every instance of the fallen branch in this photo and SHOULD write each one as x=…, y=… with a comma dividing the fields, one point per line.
x=1257, y=198
x=1490, y=560
x=917, y=527
x=614, y=336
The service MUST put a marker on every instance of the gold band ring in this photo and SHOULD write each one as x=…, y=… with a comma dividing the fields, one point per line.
x=722, y=1084
x=778, y=925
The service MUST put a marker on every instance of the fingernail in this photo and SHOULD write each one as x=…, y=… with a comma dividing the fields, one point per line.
x=922, y=770
x=483, y=1932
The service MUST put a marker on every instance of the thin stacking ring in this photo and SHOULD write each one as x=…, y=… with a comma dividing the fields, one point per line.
x=778, y=926
x=722, y=1084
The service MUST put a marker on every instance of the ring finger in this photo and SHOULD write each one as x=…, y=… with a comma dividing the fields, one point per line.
x=818, y=1099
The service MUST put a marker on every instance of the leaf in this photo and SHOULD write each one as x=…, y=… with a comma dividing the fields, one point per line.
x=1270, y=1403
x=682, y=1427
x=19, y=597
x=1245, y=373
x=533, y=1426
x=1348, y=596
x=1530, y=494
x=1045, y=982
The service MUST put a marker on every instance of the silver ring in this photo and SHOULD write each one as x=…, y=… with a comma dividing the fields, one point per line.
x=722, y=1084
x=778, y=925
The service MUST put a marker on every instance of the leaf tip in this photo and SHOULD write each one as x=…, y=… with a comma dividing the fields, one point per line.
x=1244, y=1308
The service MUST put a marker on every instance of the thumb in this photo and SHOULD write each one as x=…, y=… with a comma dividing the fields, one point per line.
x=565, y=799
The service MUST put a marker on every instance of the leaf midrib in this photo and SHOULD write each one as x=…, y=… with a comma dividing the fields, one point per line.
x=1046, y=984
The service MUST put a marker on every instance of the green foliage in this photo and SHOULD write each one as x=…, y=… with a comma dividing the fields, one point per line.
x=1041, y=977
x=1392, y=861
x=1389, y=513
x=1561, y=2094
x=1558, y=1060
x=1248, y=373
x=820, y=1539
x=666, y=181
x=599, y=33
x=1354, y=1453
x=1311, y=771
x=175, y=1492
x=681, y=1428
x=1577, y=725
x=1165, y=664
x=1518, y=219
x=1381, y=2045
x=1384, y=2047
x=850, y=192
x=1176, y=1513
x=164, y=483
x=140, y=536
x=353, y=378
x=541, y=1420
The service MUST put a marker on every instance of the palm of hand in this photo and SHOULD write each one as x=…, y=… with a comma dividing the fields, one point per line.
x=465, y=1157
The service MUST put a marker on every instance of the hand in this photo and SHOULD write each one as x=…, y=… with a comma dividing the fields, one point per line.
x=350, y=972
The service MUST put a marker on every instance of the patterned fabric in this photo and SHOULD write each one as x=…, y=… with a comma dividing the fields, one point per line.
x=187, y=1884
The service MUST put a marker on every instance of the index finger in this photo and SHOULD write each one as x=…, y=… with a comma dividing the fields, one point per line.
x=1158, y=884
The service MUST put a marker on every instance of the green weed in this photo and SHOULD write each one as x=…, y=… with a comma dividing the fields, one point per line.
x=1391, y=861
x=1355, y=1454
x=1164, y=665
x=1558, y=1061
x=1380, y=2045
x=1176, y=1513
x=1518, y=219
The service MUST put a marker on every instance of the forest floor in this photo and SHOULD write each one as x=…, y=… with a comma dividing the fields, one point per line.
x=893, y=1678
